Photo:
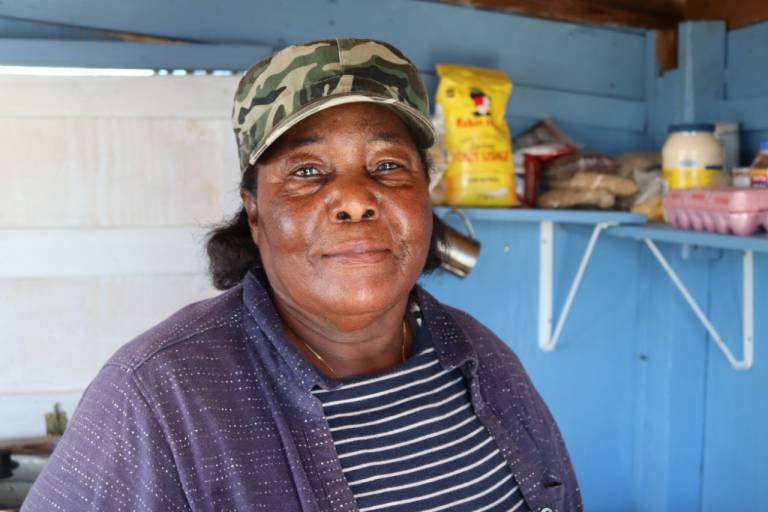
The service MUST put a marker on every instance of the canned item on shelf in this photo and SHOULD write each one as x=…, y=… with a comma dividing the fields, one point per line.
x=759, y=171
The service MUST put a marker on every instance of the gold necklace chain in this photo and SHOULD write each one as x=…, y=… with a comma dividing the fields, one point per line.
x=322, y=360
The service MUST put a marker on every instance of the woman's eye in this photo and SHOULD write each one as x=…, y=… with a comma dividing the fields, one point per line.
x=387, y=166
x=307, y=172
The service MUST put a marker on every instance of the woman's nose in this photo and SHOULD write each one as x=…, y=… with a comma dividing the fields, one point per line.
x=352, y=201
x=343, y=215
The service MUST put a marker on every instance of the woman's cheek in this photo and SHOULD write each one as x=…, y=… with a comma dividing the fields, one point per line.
x=291, y=224
x=414, y=226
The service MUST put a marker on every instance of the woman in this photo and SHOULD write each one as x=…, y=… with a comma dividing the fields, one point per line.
x=324, y=378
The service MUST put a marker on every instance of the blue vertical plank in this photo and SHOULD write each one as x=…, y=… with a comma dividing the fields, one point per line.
x=747, y=85
x=665, y=86
x=595, y=392
x=651, y=103
x=675, y=417
x=701, y=57
x=736, y=449
x=645, y=434
x=747, y=75
x=670, y=416
x=670, y=412
x=661, y=96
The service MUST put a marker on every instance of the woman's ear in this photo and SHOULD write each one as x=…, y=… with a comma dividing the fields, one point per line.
x=249, y=203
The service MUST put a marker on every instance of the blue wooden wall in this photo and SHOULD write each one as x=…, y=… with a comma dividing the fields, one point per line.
x=746, y=85
x=653, y=416
x=590, y=381
x=590, y=79
x=701, y=424
x=735, y=450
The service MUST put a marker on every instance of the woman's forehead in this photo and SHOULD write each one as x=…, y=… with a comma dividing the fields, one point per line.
x=377, y=122
x=346, y=122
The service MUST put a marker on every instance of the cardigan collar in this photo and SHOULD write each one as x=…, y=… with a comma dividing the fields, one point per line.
x=452, y=346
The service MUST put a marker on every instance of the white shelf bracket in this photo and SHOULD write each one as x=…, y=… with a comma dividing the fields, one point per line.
x=548, y=341
x=748, y=308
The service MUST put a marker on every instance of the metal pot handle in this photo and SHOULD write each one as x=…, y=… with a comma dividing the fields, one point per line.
x=463, y=216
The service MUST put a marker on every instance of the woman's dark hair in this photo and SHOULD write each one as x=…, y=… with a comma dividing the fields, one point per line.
x=232, y=253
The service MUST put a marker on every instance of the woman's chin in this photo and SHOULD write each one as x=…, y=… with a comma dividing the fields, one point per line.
x=363, y=296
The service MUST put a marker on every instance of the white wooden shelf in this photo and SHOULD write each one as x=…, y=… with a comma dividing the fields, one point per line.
x=634, y=227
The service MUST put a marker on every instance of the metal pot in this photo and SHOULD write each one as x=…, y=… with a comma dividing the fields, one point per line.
x=458, y=252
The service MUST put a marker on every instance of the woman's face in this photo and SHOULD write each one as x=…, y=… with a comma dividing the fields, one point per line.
x=342, y=215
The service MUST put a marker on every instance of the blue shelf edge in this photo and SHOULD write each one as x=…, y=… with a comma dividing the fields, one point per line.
x=663, y=233
x=539, y=215
x=630, y=225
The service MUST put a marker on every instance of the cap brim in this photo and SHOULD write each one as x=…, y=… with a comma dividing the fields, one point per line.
x=413, y=118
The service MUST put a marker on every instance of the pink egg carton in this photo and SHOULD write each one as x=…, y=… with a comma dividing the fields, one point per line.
x=741, y=211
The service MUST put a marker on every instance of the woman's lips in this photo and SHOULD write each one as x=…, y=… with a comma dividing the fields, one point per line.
x=357, y=252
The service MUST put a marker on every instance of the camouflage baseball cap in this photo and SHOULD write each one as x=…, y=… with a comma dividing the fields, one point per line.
x=300, y=80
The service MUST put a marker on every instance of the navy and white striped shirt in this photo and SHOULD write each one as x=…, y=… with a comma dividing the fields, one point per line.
x=408, y=439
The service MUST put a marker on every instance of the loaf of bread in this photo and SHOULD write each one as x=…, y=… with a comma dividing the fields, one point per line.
x=600, y=198
x=566, y=166
x=588, y=180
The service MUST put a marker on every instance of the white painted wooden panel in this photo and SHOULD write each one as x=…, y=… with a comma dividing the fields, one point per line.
x=26, y=253
x=57, y=333
x=116, y=172
x=106, y=188
x=166, y=97
x=24, y=414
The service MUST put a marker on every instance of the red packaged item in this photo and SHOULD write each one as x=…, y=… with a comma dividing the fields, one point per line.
x=533, y=158
x=532, y=167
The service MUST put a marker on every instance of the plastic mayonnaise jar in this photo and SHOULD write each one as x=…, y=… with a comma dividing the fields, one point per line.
x=692, y=157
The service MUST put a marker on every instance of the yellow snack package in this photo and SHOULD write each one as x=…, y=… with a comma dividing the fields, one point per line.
x=480, y=168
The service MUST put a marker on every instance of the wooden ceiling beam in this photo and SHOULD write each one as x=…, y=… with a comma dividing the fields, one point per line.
x=735, y=13
x=666, y=50
x=650, y=14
